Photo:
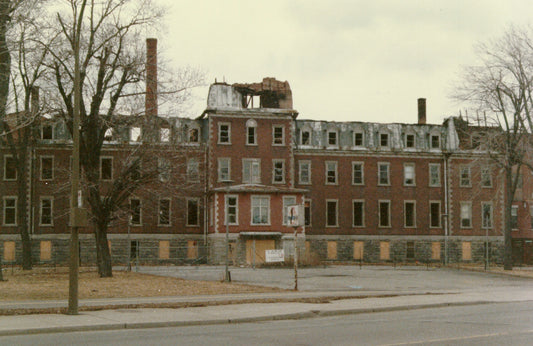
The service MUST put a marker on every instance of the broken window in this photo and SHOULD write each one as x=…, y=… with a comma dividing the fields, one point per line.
x=466, y=214
x=135, y=134
x=194, y=135
x=409, y=174
x=331, y=172
x=278, y=174
x=305, y=137
x=486, y=215
x=278, y=135
x=135, y=211
x=164, y=212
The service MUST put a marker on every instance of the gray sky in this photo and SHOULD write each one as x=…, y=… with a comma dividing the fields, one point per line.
x=345, y=60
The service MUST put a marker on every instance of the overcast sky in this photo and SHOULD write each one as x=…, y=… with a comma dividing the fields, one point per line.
x=345, y=60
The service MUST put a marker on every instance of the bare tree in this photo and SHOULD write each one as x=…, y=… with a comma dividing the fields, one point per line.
x=112, y=65
x=500, y=88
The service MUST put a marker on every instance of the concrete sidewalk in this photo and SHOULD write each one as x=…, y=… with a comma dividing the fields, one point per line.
x=239, y=313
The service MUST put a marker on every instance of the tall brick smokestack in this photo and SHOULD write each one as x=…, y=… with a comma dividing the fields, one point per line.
x=421, y=111
x=151, y=77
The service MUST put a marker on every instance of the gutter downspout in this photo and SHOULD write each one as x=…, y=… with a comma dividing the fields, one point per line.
x=446, y=215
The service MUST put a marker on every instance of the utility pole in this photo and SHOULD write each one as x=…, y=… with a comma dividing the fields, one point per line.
x=77, y=216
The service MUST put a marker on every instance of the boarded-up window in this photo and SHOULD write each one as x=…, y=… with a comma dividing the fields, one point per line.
x=9, y=251
x=358, y=247
x=46, y=250
x=332, y=250
x=307, y=247
x=384, y=252
x=192, y=249
x=435, y=250
x=164, y=249
x=467, y=251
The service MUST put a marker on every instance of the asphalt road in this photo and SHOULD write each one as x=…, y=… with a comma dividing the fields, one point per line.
x=489, y=324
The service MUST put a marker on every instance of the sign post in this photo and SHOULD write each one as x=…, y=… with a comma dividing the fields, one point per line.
x=295, y=215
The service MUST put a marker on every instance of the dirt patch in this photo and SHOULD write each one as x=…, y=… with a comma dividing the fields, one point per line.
x=49, y=284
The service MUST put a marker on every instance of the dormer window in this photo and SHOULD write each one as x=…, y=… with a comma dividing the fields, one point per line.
x=135, y=134
x=164, y=134
x=108, y=136
x=410, y=140
x=47, y=132
x=384, y=140
x=358, y=139
x=193, y=135
x=435, y=142
x=305, y=137
x=332, y=138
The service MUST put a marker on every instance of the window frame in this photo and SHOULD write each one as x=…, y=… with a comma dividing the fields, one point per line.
x=50, y=214
x=301, y=164
x=439, y=217
x=437, y=167
x=165, y=134
x=406, y=140
x=328, y=201
x=193, y=134
x=413, y=203
x=335, y=132
x=335, y=172
x=276, y=140
x=486, y=172
x=387, y=165
x=309, y=138
x=362, y=170
x=405, y=179
x=483, y=220
x=110, y=159
x=514, y=218
x=384, y=135
x=134, y=212
x=228, y=207
x=42, y=171
x=52, y=132
x=462, y=217
x=220, y=131
x=221, y=161
x=193, y=170
x=274, y=172
x=463, y=179
x=251, y=162
x=362, y=203
x=308, y=203
x=7, y=160
x=188, y=211
x=355, y=133
x=389, y=207
x=260, y=206
x=251, y=124
x=5, y=210
x=287, y=200
x=431, y=142
x=163, y=166
x=159, y=212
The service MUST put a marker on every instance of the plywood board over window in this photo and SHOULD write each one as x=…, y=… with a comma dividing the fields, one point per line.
x=46, y=250
x=358, y=248
x=164, y=249
x=9, y=251
x=384, y=250
x=435, y=250
x=192, y=249
x=332, y=250
x=467, y=250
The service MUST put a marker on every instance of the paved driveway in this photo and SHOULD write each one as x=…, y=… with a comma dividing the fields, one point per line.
x=352, y=278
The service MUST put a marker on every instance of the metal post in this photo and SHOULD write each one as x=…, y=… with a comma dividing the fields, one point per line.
x=486, y=249
x=296, y=258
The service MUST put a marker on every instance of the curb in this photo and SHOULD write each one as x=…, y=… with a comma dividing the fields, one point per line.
x=293, y=316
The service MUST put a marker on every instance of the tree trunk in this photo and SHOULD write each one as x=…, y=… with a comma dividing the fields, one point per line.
x=508, y=244
x=103, y=257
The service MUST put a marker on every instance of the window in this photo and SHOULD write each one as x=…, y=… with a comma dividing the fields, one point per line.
x=331, y=172
x=164, y=134
x=383, y=173
x=135, y=210
x=465, y=176
x=358, y=213
x=10, y=168
x=384, y=140
x=435, y=142
x=47, y=132
x=224, y=169
x=224, y=133
x=434, y=214
x=260, y=210
x=232, y=210
x=46, y=212
x=164, y=212
x=307, y=212
x=108, y=135
x=47, y=167
x=409, y=213
x=358, y=173
x=304, y=172
x=193, y=210
x=331, y=213
x=384, y=213
x=135, y=134
x=163, y=165
x=305, y=137
x=486, y=177
x=466, y=214
x=434, y=174
x=251, y=135
x=409, y=174
x=251, y=171
x=278, y=135
x=193, y=170
x=10, y=211
x=106, y=168
x=287, y=201
x=278, y=171
x=332, y=138
x=410, y=140
x=358, y=139
x=514, y=217
x=193, y=135
x=486, y=215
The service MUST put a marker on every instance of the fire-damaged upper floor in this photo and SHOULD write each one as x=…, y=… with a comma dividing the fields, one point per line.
x=270, y=93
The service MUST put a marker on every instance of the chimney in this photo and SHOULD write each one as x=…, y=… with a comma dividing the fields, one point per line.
x=151, y=77
x=421, y=111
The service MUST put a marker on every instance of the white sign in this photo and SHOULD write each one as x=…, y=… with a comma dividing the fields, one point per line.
x=274, y=256
x=295, y=215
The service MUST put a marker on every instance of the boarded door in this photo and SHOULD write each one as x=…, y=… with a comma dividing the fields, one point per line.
x=260, y=246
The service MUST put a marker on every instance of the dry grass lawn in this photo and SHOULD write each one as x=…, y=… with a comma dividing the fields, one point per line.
x=44, y=283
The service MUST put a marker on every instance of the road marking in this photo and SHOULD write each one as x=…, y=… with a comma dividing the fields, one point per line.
x=420, y=342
